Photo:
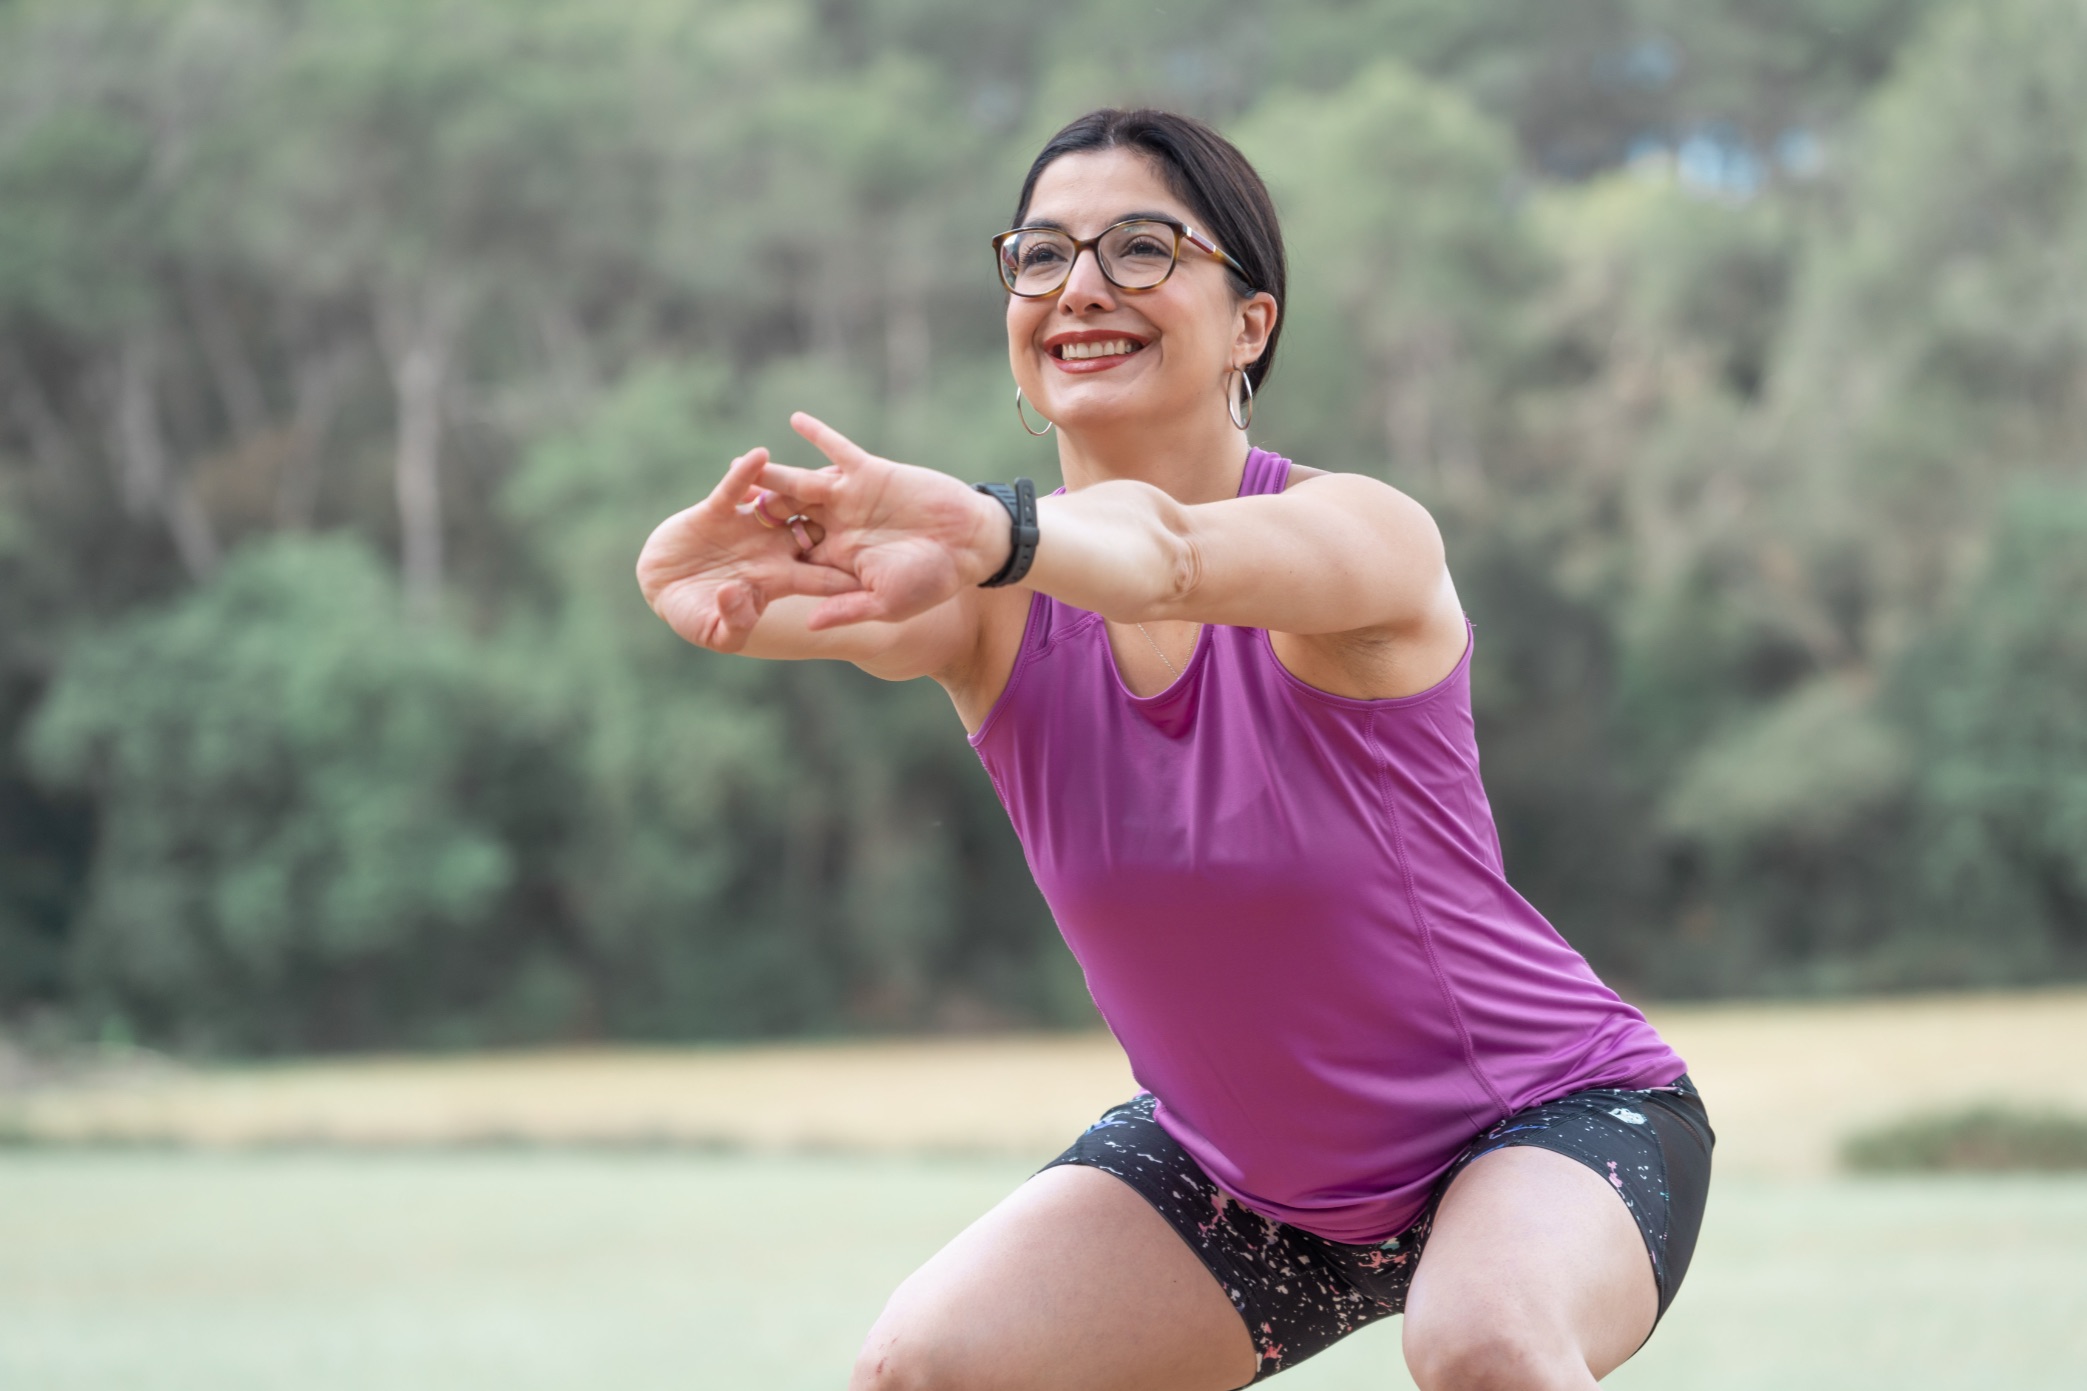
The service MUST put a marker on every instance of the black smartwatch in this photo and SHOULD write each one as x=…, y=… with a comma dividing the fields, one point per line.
x=1020, y=502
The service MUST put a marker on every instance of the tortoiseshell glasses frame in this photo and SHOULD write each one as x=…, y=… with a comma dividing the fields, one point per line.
x=1035, y=262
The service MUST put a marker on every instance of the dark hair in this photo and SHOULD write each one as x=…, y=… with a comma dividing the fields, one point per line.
x=1205, y=171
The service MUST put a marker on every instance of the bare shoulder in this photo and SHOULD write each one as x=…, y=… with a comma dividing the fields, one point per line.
x=1394, y=659
x=1410, y=520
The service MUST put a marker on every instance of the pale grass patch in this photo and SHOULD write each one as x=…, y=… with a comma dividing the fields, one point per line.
x=1784, y=1083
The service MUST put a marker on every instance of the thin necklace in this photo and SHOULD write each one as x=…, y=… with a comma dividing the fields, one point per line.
x=1172, y=670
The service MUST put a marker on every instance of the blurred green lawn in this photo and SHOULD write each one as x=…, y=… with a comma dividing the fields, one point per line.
x=162, y=1271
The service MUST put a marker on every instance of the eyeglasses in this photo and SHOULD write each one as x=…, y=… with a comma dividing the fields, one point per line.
x=1134, y=255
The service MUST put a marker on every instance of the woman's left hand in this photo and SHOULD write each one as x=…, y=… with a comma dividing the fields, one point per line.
x=910, y=536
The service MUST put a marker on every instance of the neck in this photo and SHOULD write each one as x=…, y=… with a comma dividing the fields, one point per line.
x=1195, y=463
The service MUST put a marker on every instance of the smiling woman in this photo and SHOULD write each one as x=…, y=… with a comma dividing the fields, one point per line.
x=1226, y=703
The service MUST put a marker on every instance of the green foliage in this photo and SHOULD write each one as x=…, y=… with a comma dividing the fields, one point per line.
x=1994, y=697
x=312, y=817
x=1937, y=345
x=1774, y=690
x=760, y=847
x=1406, y=261
x=1985, y=1139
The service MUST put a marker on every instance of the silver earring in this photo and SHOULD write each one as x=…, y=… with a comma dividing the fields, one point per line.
x=1232, y=400
x=1023, y=416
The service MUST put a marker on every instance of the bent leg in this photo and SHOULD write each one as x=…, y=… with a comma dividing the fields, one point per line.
x=1073, y=1280
x=1534, y=1277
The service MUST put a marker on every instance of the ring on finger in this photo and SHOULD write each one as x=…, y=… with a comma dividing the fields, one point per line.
x=796, y=525
x=761, y=512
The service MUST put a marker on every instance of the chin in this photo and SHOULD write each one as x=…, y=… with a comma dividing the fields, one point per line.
x=1088, y=409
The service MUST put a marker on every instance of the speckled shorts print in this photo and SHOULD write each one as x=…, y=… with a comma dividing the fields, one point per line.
x=1299, y=1293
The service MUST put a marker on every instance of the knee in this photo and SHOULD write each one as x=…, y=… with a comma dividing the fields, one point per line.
x=890, y=1361
x=1491, y=1359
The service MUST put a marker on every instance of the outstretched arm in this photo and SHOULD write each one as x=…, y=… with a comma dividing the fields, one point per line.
x=1336, y=554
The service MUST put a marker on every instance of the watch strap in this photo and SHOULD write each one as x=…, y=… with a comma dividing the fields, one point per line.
x=1019, y=498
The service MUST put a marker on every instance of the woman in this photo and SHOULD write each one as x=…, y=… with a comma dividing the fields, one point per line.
x=1225, y=701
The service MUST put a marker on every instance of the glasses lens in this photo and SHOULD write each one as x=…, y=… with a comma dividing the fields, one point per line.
x=1035, y=262
x=1138, y=255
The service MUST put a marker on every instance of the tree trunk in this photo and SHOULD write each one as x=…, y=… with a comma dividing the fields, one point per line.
x=419, y=336
x=145, y=475
x=318, y=382
x=238, y=385
x=39, y=420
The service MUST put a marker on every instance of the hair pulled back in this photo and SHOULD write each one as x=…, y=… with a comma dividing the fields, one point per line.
x=1205, y=171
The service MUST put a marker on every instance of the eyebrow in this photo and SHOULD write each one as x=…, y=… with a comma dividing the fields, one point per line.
x=1134, y=216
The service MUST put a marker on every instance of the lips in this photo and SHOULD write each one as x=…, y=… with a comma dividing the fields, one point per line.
x=1092, y=350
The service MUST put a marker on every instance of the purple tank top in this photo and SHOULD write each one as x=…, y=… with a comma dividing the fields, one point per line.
x=1291, y=910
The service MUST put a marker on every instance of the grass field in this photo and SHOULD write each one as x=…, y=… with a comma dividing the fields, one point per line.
x=317, y=1225
x=559, y=1271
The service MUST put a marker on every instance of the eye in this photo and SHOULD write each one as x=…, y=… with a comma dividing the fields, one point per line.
x=1032, y=255
x=1145, y=244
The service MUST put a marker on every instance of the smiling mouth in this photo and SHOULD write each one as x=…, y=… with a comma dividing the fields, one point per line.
x=1102, y=347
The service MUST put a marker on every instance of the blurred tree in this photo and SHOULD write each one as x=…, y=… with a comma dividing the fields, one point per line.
x=1766, y=73
x=1407, y=262
x=1939, y=342
x=1711, y=353
x=761, y=847
x=1992, y=697
x=100, y=112
x=318, y=826
x=1794, y=549
x=477, y=165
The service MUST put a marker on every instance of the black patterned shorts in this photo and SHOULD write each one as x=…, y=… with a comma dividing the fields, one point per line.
x=1299, y=1293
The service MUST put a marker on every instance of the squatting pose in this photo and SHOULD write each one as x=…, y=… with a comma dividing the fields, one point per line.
x=1225, y=699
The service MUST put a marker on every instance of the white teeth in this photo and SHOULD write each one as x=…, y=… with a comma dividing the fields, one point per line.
x=1106, y=347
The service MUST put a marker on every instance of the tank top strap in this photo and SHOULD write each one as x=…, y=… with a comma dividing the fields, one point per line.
x=1265, y=473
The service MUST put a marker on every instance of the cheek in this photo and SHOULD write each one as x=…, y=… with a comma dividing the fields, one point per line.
x=1024, y=317
x=1197, y=327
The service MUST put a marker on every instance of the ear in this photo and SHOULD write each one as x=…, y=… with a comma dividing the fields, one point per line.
x=1255, y=322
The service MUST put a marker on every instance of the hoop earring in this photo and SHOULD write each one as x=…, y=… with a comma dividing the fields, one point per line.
x=1232, y=400
x=1023, y=416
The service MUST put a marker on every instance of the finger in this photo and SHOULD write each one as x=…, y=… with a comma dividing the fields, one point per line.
x=861, y=606
x=771, y=509
x=836, y=446
x=739, y=476
x=820, y=581
x=828, y=550
x=806, y=487
x=739, y=608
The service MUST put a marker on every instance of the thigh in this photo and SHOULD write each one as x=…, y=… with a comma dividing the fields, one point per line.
x=1534, y=1274
x=1073, y=1280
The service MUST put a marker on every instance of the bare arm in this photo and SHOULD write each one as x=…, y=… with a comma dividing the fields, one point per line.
x=939, y=642
x=1338, y=554
x=1335, y=554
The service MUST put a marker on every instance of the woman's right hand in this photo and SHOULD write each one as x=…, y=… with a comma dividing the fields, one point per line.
x=711, y=570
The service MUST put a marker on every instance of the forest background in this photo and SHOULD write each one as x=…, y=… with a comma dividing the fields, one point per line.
x=350, y=348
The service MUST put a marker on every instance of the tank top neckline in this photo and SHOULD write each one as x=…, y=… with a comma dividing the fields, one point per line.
x=1263, y=472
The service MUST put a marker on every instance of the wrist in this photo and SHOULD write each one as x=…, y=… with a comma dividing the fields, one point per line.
x=986, y=541
x=1016, y=551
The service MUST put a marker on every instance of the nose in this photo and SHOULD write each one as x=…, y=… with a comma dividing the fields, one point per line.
x=1086, y=288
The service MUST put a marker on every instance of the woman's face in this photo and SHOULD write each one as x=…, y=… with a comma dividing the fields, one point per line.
x=1163, y=353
